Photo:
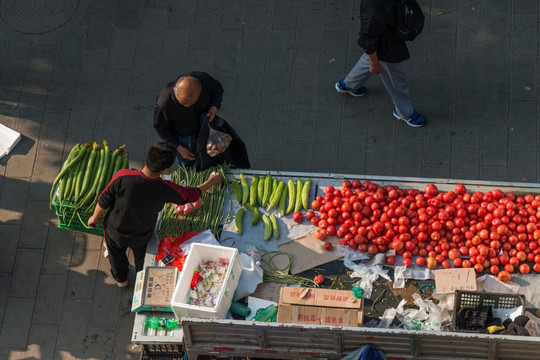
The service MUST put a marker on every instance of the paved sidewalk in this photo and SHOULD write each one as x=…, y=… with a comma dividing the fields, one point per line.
x=79, y=70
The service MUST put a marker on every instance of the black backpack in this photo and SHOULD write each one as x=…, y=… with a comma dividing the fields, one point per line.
x=409, y=19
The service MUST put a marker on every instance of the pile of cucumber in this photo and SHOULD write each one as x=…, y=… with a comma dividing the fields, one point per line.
x=270, y=193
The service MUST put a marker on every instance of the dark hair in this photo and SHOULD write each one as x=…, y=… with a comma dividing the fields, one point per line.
x=160, y=156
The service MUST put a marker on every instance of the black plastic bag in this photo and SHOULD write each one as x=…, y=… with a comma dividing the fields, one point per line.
x=236, y=154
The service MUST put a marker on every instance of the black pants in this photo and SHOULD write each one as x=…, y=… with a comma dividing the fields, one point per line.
x=117, y=247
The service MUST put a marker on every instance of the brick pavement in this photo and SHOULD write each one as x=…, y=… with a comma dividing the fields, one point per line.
x=93, y=71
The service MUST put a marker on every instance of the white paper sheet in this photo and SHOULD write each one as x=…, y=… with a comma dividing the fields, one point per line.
x=8, y=140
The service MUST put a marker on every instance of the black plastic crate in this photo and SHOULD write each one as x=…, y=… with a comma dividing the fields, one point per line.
x=474, y=299
x=162, y=352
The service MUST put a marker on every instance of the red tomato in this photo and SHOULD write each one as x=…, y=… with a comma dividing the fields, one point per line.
x=431, y=190
x=319, y=279
x=390, y=260
x=494, y=269
x=373, y=249
x=331, y=229
x=420, y=261
x=316, y=205
x=504, y=276
x=453, y=254
x=315, y=220
x=328, y=246
x=188, y=209
x=536, y=267
x=356, y=184
x=431, y=262
x=407, y=262
x=198, y=204
x=298, y=217
x=460, y=189
x=346, y=207
x=179, y=209
x=320, y=234
x=478, y=268
x=346, y=184
x=310, y=214
x=524, y=269
x=509, y=268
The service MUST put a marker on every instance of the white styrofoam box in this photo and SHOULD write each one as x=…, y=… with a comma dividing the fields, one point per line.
x=196, y=254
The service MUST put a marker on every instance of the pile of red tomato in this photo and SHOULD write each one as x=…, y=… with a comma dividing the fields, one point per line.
x=486, y=231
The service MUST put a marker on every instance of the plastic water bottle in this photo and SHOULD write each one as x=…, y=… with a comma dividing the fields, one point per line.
x=252, y=251
x=152, y=325
x=240, y=309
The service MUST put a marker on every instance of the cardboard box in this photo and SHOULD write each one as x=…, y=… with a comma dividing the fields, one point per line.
x=154, y=287
x=196, y=254
x=319, y=306
x=447, y=281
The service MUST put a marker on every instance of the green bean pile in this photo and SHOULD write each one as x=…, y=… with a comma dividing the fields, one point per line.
x=87, y=170
x=210, y=216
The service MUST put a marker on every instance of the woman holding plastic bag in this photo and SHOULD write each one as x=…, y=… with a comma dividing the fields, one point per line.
x=218, y=143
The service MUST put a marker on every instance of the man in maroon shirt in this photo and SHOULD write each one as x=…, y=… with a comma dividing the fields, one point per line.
x=134, y=199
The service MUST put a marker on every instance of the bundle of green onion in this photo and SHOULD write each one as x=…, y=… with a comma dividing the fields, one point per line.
x=209, y=217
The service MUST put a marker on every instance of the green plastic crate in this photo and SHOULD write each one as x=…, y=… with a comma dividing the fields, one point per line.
x=68, y=219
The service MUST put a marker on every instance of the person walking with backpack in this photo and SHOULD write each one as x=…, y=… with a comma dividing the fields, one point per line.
x=385, y=25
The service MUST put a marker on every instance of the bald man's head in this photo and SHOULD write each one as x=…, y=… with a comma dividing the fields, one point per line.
x=187, y=90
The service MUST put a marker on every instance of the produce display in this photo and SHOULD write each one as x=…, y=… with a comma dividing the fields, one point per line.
x=201, y=215
x=490, y=231
x=265, y=194
x=86, y=172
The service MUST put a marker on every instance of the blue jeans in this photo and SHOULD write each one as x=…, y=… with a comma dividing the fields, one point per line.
x=190, y=143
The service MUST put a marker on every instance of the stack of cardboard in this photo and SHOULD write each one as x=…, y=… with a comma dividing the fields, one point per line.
x=319, y=306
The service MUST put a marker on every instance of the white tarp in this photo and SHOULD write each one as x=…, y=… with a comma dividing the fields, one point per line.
x=8, y=139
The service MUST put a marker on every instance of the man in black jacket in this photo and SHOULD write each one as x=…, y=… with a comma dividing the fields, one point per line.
x=179, y=107
x=384, y=54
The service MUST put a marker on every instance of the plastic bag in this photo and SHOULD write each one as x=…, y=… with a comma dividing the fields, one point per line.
x=170, y=251
x=218, y=142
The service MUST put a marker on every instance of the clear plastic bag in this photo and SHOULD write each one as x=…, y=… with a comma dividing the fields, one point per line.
x=218, y=142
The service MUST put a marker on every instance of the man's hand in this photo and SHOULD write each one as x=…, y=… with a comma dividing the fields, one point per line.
x=185, y=153
x=374, y=65
x=375, y=68
x=214, y=179
x=212, y=113
x=93, y=221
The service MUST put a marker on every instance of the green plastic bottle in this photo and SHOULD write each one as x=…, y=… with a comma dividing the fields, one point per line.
x=267, y=314
x=240, y=309
x=151, y=325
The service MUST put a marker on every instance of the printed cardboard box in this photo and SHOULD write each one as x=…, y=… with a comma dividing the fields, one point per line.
x=154, y=288
x=319, y=306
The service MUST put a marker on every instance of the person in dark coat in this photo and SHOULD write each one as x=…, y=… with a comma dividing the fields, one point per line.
x=179, y=107
x=384, y=54
x=134, y=199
